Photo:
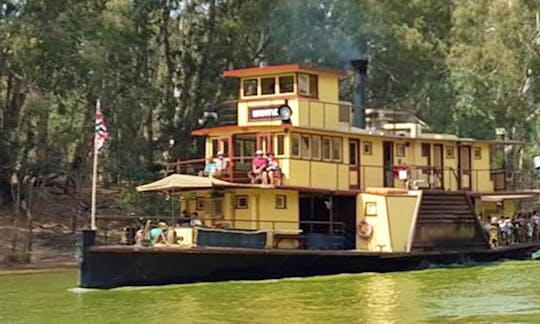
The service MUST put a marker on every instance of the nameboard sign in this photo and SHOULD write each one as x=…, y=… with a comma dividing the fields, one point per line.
x=263, y=113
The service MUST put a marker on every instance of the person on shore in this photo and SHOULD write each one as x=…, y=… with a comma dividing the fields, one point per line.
x=258, y=167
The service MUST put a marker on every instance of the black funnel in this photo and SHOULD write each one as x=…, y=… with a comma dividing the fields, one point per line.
x=359, y=118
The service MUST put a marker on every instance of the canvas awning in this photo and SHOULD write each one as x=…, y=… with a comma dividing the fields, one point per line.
x=496, y=198
x=179, y=182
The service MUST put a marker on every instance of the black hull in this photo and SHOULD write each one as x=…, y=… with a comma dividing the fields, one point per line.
x=114, y=266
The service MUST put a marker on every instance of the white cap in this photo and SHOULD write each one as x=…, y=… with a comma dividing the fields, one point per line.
x=258, y=152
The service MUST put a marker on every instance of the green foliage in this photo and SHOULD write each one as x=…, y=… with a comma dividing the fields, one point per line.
x=463, y=66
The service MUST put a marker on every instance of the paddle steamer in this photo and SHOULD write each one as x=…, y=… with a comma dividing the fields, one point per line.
x=358, y=190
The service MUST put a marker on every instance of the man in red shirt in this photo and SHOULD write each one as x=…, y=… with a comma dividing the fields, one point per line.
x=258, y=166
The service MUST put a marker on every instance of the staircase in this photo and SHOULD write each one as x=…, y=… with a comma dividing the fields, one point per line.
x=446, y=222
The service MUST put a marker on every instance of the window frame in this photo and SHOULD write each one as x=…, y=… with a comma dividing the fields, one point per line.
x=305, y=153
x=367, y=148
x=319, y=155
x=295, y=136
x=278, y=83
x=238, y=202
x=262, y=87
x=323, y=155
x=281, y=202
x=337, y=159
x=244, y=88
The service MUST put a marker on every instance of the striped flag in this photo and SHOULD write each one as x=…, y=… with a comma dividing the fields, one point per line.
x=102, y=135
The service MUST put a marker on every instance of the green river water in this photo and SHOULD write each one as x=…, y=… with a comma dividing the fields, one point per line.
x=498, y=293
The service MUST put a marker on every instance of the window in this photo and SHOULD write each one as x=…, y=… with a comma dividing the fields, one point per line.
x=313, y=86
x=370, y=208
x=307, y=85
x=280, y=144
x=215, y=147
x=250, y=87
x=242, y=202
x=327, y=148
x=353, y=153
x=305, y=146
x=295, y=145
x=336, y=149
x=200, y=203
x=344, y=114
x=400, y=150
x=286, y=84
x=449, y=152
x=268, y=85
x=425, y=149
x=477, y=153
x=281, y=202
x=303, y=84
x=316, y=147
x=368, y=148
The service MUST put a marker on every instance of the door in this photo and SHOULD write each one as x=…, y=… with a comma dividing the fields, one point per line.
x=264, y=142
x=354, y=164
x=437, y=168
x=464, y=160
x=388, y=164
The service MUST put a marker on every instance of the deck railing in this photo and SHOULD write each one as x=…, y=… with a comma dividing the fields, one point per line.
x=417, y=176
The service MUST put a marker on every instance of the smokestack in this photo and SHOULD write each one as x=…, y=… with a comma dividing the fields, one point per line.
x=359, y=116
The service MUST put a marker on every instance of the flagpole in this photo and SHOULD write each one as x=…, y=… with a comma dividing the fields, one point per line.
x=94, y=177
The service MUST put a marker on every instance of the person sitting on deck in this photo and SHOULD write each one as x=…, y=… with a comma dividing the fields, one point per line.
x=195, y=220
x=221, y=164
x=184, y=219
x=157, y=234
x=209, y=168
x=272, y=168
x=258, y=167
x=143, y=235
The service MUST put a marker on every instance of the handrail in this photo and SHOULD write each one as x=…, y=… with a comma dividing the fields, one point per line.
x=433, y=177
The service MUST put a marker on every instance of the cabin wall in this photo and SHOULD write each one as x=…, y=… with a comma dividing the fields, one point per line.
x=380, y=240
x=481, y=165
x=328, y=88
x=371, y=162
x=261, y=210
x=401, y=213
x=244, y=107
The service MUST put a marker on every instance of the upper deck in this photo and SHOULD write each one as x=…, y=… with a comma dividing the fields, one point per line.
x=319, y=146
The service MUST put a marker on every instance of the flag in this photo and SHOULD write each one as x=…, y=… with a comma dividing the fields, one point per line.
x=101, y=135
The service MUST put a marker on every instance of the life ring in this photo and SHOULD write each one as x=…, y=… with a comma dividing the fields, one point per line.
x=365, y=230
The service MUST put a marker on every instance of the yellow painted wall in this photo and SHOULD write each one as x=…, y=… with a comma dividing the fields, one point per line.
x=380, y=240
x=262, y=210
x=372, y=170
x=401, y=212
x=328, y=87
x=481, y=176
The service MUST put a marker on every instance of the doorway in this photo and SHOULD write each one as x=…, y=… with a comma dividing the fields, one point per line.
x=437, y=174
x=464, y=160
x=354, y=164
x=388, y=164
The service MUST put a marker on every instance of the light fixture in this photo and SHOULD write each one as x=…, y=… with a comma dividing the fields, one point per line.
x=285, y=112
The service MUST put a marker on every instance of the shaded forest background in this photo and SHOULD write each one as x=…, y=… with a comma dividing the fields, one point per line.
x=463, y=66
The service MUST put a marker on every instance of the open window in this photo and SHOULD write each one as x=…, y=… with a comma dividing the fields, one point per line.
x=308, y=85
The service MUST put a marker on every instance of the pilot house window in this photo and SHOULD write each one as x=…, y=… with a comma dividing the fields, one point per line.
x=268, y=85
x=250, y=87
x=307, y=85
x=286, y=84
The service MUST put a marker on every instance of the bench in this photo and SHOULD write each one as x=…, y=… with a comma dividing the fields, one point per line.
x=299, y=238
